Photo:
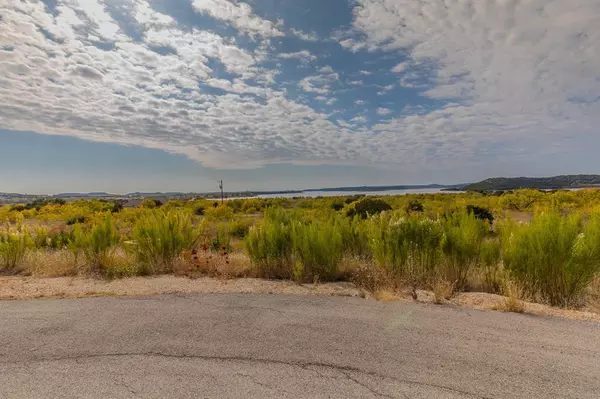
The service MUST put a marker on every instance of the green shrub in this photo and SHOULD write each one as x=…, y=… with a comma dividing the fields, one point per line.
x=220, y=212
x=98, y=243
x=367, y=206
x=554, y=258
x=76, y=219
x=414, y=206
x=270, y=247
x=239, y=228
x=222, y=240
x=481, y=213
x=408, y=248
x=161, y=237
x=461, y=245
x=13, y=244
x=490, y=257
x=150, y=203
x=318, y=247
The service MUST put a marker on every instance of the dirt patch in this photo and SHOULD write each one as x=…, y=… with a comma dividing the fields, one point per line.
x=18, y=287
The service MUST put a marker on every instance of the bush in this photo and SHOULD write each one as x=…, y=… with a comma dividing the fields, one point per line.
x=150, y=203
x=408, y=248
x=461, y=245
x=13, y=244
x=76, y=219
x=161, y=237
x=318, y=250
x=240, y=228
x=199, y=211
x=220, y=212
x=367, y=206
x=269, y=245
x=414, y=206
x=481, y=213
x=97, y=243
x=336, y=206
x=554, y=258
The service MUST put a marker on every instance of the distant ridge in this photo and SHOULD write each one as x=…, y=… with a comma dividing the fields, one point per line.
x=542, y=183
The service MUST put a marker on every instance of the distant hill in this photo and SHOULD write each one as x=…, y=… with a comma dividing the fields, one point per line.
x=542, y=183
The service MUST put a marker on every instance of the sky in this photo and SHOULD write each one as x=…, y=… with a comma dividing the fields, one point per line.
x=173, y=95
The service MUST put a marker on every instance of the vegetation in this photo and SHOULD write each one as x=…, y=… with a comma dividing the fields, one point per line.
x=545, y=243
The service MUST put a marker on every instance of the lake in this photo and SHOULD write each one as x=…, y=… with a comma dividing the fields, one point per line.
x=312, y=194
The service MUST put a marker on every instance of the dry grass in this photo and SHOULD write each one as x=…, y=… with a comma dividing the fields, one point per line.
x=442, y=290
x=12, y=288
x=513, y=301
x=371, y=278
x=594, y=296
x=54, y=263
x=386, y=296
x=225, y=265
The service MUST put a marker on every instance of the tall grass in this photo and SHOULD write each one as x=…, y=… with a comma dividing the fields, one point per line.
x=554, y=258
x=461, y=245
x=407, y=247
x=270, y=245
x=97, y=243
x=13, y=244
x=161, y=237
x=318, y=249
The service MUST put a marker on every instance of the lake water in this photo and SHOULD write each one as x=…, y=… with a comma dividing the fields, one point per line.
x=312, y=194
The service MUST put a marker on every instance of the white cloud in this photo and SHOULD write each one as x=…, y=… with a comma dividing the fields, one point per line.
x=356, y=82
x=240, y=16
x=303, y=55
x=383, y=111
x=400, y=67
x=512, y=75
x=359, y=119
x=515, y=67
x=307, y=36
x=320, y=84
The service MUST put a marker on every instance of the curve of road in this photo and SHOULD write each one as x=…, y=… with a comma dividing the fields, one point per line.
x=257, y=346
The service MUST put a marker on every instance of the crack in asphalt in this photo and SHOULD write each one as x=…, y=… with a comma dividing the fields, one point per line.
x=303, y=365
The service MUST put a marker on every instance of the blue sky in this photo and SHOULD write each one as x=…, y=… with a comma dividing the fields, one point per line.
x=172, y=95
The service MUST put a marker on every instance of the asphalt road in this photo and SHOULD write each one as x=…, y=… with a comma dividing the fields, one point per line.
x=259, y=346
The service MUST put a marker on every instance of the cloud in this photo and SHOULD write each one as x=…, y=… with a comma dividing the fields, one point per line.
x=359, y=119
x=239, y=15
x=303, y=55
x=481, y=81
x=307, y=36
x=400, y=67
x=321, y=83
x=356, y=82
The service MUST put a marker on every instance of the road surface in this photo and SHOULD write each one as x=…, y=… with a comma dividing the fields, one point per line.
x=260, y=346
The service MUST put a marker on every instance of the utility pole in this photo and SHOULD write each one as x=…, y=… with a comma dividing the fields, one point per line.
x=221, y=187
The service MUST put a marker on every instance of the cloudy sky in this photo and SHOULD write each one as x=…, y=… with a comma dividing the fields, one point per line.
x=128, y=95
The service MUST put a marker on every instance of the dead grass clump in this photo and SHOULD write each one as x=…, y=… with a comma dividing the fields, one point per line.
x=513, y=301
x=53, y=263
x=371, y=278
x=442, y=290
x=198, y=263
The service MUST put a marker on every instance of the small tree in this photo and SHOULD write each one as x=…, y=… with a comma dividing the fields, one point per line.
x=368, y=206
x=414, y=206
x=480, y=213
